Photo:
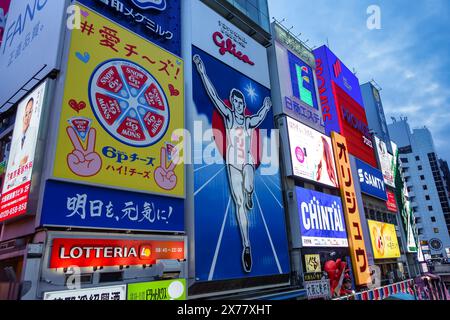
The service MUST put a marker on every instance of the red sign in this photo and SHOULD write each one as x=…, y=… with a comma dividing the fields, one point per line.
x=107, y=253
x=354, y=126
x=391, y=204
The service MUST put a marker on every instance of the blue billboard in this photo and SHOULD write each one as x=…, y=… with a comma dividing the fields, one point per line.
x=157, y=21
x=371, y=180
x=74, y=205
x=322, y=221
x=302, y=78
x=240, y=226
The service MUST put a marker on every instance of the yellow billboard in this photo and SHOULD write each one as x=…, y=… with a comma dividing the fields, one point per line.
x=384, y=240
x=123, y=99
x=353, y=221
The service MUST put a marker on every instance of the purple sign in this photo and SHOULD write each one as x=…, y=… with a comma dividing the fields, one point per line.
x=331, y=70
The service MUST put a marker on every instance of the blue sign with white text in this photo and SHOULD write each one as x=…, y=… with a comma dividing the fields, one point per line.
x=371, y=180
x=322, y=221
x=73, y=205
x=156, y=20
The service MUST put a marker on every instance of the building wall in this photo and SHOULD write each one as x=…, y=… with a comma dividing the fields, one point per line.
x=424, y=195
x=256, y=10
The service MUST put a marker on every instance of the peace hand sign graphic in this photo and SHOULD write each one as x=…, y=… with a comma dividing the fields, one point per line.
x=164, y=175
x=83, y=162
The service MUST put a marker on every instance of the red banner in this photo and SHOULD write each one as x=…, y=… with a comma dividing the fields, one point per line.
x=14, y=203
x=107, y=253
x=391, y=204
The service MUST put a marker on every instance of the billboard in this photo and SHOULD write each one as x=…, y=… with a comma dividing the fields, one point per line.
x=384, y=240
x=75, y=205
x=123, y=98
x=371, y=180
x=4, y=8
x=114, y=293
x=311, y=154
x=336, y=267
x=391, y=203
x=338, y=73
x=158, y=21
x=67, y=252
x=17, y=184
x=158, y=290
x=322, y=221
x=386, y=162
x=351, y=211
x=297, y=85
x=354, y=127
x=245, y=234
x=32, y=27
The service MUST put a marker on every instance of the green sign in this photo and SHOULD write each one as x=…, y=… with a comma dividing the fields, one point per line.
x=158, y=290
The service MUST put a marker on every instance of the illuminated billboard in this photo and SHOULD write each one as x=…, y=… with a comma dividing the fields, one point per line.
x=384, y=240
x=311, y=154
x=16, y=188
x=386, y=162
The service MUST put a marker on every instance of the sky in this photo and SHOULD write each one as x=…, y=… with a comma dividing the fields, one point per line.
x=409, y=57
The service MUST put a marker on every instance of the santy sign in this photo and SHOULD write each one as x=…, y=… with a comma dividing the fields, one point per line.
x=106, y=253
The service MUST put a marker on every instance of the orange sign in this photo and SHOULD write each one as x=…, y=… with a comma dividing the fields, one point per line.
x=351, y=212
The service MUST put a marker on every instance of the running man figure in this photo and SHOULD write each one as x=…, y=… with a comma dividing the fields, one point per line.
x=239, y=159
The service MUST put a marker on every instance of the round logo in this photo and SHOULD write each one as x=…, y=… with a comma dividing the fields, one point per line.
x=300, y=154
x=129, y=103
x=436, y=244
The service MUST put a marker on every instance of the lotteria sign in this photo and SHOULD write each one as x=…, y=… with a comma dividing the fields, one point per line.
x=322, y=221
x=106, y=253
x=371, y=180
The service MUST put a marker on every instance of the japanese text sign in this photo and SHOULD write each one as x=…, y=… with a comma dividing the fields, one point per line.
x=351, y=211
x=158, y=290
x=92, y=294
x=123, y=99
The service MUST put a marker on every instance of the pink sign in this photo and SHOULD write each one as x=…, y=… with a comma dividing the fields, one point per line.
x=4, y=7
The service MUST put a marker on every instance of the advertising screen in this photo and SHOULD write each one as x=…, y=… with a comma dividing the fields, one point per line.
x=322, y=221
x=384, y=240
x=371, y=180
x=92, y=294
x=336, y=267
x=30, y=47
x=123, y=99
x=155, y=20
x=391, y=203
x=4, y=7
x=75, y=205
x=16, y=188
x=82, y=253
x=302, y=79
x=311, y=154
x=158, y=290
x=354, y=127
x=240, y=232
x=351, y=210
x=386, y=162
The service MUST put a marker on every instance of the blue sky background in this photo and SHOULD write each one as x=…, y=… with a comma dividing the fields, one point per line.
x=409, y=57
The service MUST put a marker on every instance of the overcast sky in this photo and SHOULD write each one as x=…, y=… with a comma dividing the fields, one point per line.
x=409, y=57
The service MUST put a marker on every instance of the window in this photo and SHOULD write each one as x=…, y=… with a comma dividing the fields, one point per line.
x=428, y=198
x=433, y=219
x=430, y=208
x=422, y=177
x=436, y=230
x=417, y=158
x=420, y=231
x=404, y=160
x=410, y=189
x=425, y=187
x=420, y=168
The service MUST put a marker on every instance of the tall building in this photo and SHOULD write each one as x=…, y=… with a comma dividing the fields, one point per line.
x=425, y=186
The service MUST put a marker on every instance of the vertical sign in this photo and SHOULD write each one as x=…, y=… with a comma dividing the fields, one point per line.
x=4, y=7
x=17, y=184
x=354, y=227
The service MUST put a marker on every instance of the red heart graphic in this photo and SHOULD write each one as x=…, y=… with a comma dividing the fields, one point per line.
x=173, y=92
x=77, y=106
